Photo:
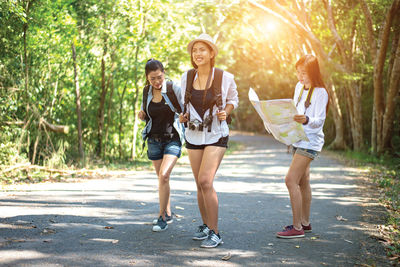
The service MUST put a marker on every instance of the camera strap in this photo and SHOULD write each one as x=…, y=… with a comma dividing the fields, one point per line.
x=308, y=100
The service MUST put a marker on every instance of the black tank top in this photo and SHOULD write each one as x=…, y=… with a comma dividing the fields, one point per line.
x=197, y=100
x=162, y=118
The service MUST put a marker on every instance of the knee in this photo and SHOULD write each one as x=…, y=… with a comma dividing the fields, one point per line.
x=164, y=178
x=290, y=182
x=305, y=182
x=204, y=183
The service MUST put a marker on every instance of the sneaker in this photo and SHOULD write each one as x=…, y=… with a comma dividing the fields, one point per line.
x=168, y=219
x=290, y=232
x=307, y=229
x=212, y=241
x=160, y=226
x=201, y=233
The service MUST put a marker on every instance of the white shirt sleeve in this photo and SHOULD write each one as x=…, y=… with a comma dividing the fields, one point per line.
x=318, y=118
x=232, y=95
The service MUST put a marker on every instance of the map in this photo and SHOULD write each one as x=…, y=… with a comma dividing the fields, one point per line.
x=277, y=116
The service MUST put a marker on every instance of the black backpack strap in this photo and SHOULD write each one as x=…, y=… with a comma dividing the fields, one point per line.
x=172, y=97
x=144, y=101
x=218, y=86
x=188, y=92
x=218, y=74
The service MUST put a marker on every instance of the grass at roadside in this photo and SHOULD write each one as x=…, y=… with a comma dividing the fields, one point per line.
x=385, y=173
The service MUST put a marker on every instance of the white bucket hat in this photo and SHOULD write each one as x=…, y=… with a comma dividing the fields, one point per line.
x=204, y=37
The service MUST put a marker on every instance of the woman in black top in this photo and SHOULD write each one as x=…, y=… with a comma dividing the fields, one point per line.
x=164, y=134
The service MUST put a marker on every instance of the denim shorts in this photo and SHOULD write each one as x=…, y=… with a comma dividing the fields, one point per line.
x=312, y=154
x=222, y=142
x=156, y=149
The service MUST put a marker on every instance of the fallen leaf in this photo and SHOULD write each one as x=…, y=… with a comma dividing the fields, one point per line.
x=340, y=218
x=314, y=238
x=297, y=246
x=179, y=216
x=17, y=240
x=226, y=257
x=48, y=231
x=108, y=227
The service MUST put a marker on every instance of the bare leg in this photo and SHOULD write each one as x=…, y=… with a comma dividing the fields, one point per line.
x=211, y=160
x=305, y=189
x=195, y=157
x=168, y=163
x=296, y=171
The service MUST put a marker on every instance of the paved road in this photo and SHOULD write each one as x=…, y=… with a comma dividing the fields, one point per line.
x=65, y=224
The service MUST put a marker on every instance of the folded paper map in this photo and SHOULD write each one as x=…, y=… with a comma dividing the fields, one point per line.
x=277, y=116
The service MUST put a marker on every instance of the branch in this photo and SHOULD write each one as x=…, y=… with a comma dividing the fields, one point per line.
x=370, y=30
x=338, y=40
x=55, y=128
x=302, y=30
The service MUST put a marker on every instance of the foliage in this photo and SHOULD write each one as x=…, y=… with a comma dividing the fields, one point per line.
x=385, y=172
x=37, y=78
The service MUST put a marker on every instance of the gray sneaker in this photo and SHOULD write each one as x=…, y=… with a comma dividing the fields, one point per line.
x=168, y=219
x=212, y=241
x=201, y=233
x=160, y=226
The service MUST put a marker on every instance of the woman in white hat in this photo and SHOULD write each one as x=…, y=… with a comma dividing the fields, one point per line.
x=209, y=95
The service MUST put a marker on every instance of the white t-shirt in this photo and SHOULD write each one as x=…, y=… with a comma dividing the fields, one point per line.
x=218, y=129
x=316, y=113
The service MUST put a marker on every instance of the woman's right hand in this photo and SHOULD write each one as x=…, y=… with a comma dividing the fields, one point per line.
x=183, y=117
x=142, y=115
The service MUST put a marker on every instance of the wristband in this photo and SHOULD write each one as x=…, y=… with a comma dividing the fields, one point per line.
x=307, y=119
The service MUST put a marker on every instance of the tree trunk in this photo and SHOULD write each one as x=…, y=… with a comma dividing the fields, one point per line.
x=135, y=132
x=108, y=116
x=391, y=100
x=352, y=90
x=373, y=132
x=339, y=142
x=136, y=97
x=121, y=106
x=78, y=108
x=379, y=101
x=100, y=116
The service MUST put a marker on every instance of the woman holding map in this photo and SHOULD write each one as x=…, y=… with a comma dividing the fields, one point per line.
x=311, y=99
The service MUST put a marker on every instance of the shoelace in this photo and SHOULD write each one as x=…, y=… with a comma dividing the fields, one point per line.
x=213, y=236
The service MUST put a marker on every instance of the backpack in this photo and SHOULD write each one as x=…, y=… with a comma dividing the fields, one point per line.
x=170, y=94
x=216, y=87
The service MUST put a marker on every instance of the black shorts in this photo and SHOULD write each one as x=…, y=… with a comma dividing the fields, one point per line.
x=222, y=142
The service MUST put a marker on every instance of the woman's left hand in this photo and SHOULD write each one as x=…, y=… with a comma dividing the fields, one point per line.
x=300, y=118
x=221, y=114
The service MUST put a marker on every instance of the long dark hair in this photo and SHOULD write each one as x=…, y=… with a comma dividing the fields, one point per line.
x=153, y=65
x=311, y=65
x=212, y=61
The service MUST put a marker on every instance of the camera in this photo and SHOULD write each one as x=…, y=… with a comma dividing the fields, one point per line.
x=198, y=125
x=195, y=125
